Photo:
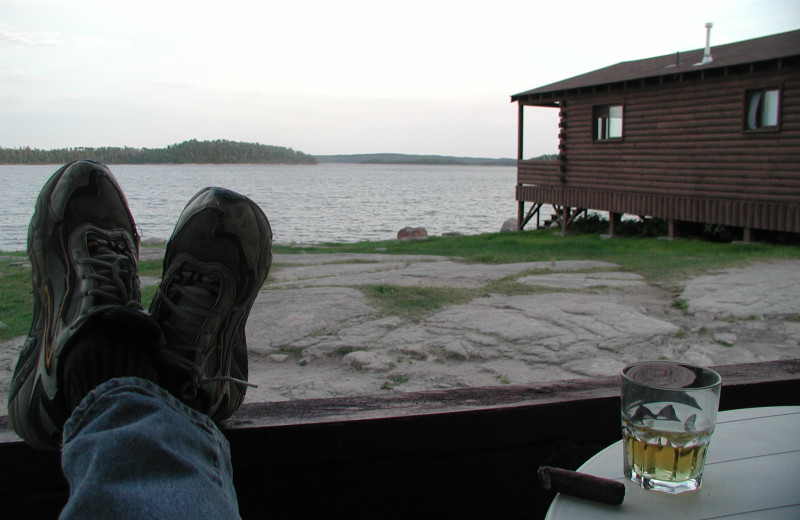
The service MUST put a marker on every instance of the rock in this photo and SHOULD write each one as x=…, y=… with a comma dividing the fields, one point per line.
x=408, y=233
x=149, y=281
x=509, y=225
x=746, y=292
x=584, y=280
x=153, y=241
x=697, y=354
x=458, y=349
x=452, y=234
x=363, y=360
x=726, y=338
x=286, y=317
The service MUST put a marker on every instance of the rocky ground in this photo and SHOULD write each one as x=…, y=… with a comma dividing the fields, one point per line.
x=312, y=333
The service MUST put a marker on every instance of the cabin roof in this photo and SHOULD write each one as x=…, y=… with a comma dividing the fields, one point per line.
x=777, y=46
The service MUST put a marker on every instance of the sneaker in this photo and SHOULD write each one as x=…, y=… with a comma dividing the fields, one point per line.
x=215, y=264
x=83, y=248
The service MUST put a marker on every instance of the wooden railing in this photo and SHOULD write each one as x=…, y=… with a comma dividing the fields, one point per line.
x=467, y=453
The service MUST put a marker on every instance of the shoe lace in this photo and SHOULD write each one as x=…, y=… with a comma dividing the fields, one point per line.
x=113, y=273
x=190, y=298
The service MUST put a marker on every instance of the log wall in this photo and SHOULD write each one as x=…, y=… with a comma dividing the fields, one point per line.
x=684, y=154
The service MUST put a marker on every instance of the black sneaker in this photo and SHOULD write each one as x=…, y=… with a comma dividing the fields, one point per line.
x=215, y=264
x=83, y=248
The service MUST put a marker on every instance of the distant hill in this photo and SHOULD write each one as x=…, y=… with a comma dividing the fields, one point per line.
x=398, y=158
x=198, y=152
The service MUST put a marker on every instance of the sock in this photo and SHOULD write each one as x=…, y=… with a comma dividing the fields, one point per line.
x=100, y=355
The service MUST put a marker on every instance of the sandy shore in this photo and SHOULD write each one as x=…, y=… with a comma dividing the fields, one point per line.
x=313, y=334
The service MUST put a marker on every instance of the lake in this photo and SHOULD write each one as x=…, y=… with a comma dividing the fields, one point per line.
x=305, y=204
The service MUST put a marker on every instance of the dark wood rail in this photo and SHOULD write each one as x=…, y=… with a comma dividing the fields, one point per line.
x=467, y=453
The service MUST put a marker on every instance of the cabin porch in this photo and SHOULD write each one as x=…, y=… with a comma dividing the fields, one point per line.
x=570, y=202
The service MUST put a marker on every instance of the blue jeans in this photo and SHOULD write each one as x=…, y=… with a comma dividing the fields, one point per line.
x=131, y=450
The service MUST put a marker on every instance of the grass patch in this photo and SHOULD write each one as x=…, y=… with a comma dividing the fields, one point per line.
x=681, y=304
x=16, y=298
x=418, y=302
x=150, y=268
x=394, y=380
x=414, y=302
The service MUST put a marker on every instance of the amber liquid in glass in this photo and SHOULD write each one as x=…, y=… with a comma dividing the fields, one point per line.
x=665, y=454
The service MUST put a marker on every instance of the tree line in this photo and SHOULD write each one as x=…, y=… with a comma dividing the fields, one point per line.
x=220, y=151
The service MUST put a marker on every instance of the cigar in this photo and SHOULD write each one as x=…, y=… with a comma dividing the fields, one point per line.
x=582, y=485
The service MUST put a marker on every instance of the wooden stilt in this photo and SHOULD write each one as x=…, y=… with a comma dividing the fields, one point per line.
x=613, y=221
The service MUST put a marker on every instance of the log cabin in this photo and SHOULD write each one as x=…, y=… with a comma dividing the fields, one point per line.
x=710, y=136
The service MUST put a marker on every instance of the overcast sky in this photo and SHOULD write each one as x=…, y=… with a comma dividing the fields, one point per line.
x=327, y=76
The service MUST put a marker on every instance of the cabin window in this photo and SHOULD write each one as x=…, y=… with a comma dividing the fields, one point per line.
x=763, y=109
x=607, y=122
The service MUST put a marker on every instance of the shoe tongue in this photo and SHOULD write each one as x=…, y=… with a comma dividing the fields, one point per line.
x=195, y=289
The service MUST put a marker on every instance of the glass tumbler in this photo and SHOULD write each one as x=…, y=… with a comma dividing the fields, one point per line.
x=669, y=410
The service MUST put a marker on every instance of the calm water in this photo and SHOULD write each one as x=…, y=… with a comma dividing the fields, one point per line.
x=305, y=204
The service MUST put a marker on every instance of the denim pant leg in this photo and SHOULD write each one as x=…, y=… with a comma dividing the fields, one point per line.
x=131, y=450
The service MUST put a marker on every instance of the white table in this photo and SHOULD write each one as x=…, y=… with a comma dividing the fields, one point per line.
x=752, y=472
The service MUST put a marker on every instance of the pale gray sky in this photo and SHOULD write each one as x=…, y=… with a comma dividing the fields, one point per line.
x=327, y=76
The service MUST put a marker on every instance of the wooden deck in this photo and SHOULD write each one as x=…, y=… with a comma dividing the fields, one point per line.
x=468, y=453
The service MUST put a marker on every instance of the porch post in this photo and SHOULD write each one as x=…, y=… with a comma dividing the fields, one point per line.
x=520, y=136
x=613, y=220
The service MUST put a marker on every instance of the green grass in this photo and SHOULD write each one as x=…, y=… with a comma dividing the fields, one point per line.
x=418, y=302
x=661, y=262
x=657, y=260
x=16, y=297
x=415, y=302
x=149, y=268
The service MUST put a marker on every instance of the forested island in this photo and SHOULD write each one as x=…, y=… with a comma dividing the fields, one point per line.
x=222, y=151
x=196, y=152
